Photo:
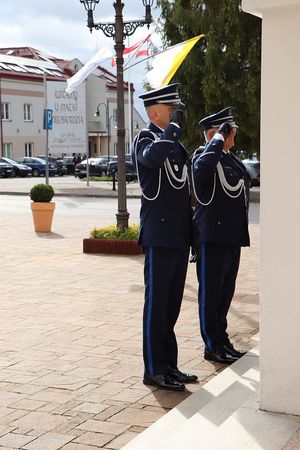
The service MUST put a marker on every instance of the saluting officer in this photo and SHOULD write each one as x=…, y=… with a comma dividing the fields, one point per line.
x=221, y=217
x=165, y=232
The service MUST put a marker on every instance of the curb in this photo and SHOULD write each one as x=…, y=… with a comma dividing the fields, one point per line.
x=72, y=194
x=254, y=195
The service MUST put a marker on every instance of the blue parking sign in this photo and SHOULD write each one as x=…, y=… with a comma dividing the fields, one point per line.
x=48, y=119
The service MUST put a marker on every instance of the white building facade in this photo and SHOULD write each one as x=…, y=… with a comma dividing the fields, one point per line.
x=22, y=97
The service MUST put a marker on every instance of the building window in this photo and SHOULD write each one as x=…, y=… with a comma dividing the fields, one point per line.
x=7, y=150
x=27, y=112
x=115, y=149
x=28, y=149
x=5, y=111
x=115, y=115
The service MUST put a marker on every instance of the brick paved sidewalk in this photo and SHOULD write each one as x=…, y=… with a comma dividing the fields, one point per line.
x=70, y=339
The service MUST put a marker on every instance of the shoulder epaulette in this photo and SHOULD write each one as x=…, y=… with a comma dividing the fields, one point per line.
x=146, y=133
x=197, y=152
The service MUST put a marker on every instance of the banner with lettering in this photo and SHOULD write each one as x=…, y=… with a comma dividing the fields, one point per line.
x=68, y=134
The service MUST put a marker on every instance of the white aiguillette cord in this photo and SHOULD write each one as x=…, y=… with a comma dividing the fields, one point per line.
x=224, y=183
x=168, y=169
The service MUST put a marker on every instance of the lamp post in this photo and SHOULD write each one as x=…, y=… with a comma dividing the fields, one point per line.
x=135, y=125
x=119, y=30
x=107, y=124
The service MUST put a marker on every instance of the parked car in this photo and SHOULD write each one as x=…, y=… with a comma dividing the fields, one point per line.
x=61, y=167
x=38, y=166
x=97, y=167
x=129, y=167
x=253, y=170
x=69, y=163
x=128, y=157
x=17, y=168
x=5, y=170
x=104, y=161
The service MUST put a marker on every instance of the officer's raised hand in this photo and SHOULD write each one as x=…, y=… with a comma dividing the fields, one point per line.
x=177, y=115
x=225, y=129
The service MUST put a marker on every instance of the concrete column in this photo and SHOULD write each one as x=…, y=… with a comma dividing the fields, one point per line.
x=280, y=204
x=98, y=145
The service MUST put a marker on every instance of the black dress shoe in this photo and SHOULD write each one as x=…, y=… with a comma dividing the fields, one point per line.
x=163, y=382
x=228, y=347
x=181, y=377
x=220, y=356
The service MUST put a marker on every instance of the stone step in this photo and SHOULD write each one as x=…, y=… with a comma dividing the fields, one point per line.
x=225, y=389
x=200, y=430
x=252, y=429
x=227, y=418
x=246, y=429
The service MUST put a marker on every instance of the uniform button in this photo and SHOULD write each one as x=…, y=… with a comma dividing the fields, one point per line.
x=174, y=134
x=162, y=219
x=219, y=223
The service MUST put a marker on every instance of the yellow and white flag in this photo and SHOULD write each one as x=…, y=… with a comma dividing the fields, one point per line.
x=166, y=63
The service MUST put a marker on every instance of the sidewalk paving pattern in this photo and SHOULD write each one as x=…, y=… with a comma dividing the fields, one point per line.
x=70, y=338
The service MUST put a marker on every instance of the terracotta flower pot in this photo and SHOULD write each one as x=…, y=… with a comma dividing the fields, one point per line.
x=111, y=246
x=42, y=213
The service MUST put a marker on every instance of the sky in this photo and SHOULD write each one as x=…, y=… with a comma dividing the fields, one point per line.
x=58, y=27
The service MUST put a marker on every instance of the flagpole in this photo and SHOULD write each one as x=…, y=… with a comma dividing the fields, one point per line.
x=129, y=106
x=47, y=129
x=142, y=60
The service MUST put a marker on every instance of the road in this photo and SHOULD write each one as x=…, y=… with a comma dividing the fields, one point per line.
x=102, y=208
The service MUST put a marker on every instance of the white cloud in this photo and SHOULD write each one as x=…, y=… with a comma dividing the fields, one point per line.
x=10, y=34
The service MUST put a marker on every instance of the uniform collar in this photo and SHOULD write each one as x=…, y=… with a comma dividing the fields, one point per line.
x=154, y=128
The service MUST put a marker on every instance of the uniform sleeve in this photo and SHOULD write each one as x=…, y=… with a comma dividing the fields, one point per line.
x=153, y=153
x=205, y=163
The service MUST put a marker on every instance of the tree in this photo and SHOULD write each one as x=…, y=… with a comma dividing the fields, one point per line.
x=223, y=69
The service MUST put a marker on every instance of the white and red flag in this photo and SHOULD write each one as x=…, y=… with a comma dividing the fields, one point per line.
x=134, y=48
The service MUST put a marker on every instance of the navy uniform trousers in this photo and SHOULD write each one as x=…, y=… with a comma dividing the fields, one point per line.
x=165, y=235
x=222, y=222
x=162, y=306
x=217, y=270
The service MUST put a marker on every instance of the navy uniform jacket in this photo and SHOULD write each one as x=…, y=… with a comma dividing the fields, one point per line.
x=223, y=220
x=166, y=220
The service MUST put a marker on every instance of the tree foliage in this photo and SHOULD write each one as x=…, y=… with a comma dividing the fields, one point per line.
x=223, y=69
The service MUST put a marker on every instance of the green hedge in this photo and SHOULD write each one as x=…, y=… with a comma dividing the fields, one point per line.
x=41, y=193
x=113, y=232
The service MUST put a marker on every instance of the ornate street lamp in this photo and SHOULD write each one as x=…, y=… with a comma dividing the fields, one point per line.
x=119, y=30
x=107, y=120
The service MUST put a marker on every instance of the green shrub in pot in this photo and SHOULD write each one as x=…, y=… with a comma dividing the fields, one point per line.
x=41, y=193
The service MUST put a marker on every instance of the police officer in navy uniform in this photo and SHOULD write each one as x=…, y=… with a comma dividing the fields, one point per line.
x=162, y=165
x=221, y=188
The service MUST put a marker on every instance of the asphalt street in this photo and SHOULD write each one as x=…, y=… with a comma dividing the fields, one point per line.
x=102, y=208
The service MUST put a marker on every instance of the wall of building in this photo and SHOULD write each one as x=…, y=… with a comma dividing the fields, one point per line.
x=16, y=130
x=280, y=211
